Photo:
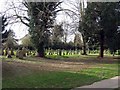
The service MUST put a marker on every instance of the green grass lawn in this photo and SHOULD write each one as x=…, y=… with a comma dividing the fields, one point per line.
x=93, y=56
x=65, y=56
x=58, y=79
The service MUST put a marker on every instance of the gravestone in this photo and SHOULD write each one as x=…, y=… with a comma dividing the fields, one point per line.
x=9, y=54
x=17, y=53
x=20, y=56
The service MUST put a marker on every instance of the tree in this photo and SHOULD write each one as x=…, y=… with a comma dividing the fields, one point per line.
x=82, y=27
x=4, y=32
x=10, y=40
x=39, y=19
x=42, y=19
x=26, y=42
x=75, y=15
x=101, y=19
x=57, y=34
x=10, y=43
x=78, y=41
x=56, y=38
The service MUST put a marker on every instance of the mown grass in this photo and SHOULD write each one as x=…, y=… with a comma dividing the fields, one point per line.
x=50, y=80
x=56, y=57
x=74, y=56
x=93, y=56
x=105, y=71
x=58, y=79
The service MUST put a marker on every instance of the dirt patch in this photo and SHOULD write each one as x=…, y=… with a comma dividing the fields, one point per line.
x=12, y=68
x=14, y=65
x=29, y=65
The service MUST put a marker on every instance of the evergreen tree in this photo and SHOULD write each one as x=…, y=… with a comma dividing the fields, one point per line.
x=42, y=16
x=100, y=23
x=4, y=32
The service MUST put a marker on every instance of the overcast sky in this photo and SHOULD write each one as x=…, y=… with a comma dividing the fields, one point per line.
x=21, y=30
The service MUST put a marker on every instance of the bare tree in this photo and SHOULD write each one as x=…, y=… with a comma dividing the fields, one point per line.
x=76, y=13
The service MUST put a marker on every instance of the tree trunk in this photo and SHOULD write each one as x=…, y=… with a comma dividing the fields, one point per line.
x=84, y=47
x=84, y=50
x=2, y=51
x=60, y=52
x=101, y=43
x=12, y=53
x=5, y=52
x=41, y=52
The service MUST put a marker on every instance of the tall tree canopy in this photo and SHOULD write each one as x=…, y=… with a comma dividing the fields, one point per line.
x=4, y=32
x=39, y=17
x=100, y=23
x=42, y=16
x=78, y=41
x=10, y=41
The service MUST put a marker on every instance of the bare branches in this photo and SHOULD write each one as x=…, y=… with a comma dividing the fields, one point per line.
x=26, y=18
x=20, y=17
x=25, y=4
x=16, y=12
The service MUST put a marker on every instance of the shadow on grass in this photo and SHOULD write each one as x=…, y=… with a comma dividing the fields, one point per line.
x=84, y=59
x=56, y=57
x=50, y=80
x=81, y=58
x=26, y=78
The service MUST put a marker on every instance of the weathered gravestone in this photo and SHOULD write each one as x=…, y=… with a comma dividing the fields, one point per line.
x=19, y=54
x=9, y=54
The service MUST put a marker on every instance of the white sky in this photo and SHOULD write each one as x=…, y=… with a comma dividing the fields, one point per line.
x=21, y=30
